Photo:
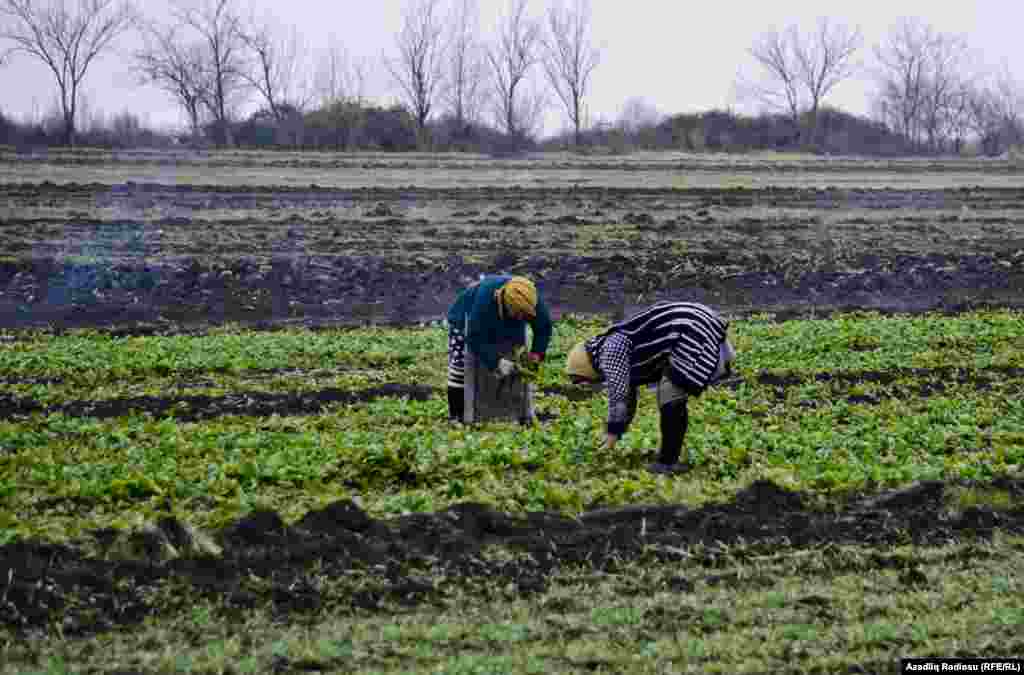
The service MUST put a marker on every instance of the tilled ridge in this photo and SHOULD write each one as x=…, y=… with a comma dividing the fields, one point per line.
x=260, y=560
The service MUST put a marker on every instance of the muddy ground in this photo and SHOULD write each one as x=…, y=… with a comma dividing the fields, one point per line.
x=138, y=255
x=416, y=558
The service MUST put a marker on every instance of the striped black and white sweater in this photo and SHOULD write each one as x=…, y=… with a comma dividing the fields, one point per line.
x=680, y=340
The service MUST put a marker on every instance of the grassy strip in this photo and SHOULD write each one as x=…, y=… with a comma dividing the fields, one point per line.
x=825, y=609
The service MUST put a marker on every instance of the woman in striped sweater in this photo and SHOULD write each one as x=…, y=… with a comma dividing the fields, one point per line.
x=682, y=348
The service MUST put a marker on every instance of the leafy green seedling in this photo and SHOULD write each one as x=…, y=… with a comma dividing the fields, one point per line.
x=528, y=369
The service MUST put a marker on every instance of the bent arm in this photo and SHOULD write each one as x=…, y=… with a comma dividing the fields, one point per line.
x=542, y=330
x=615, y=364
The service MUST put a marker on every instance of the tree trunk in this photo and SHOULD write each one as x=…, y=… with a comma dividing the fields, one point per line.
x=69, y=129
x=68, y=104
x=576, y=123
x=812, y=127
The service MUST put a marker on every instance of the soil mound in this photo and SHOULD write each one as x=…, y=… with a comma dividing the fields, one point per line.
x=261, y=560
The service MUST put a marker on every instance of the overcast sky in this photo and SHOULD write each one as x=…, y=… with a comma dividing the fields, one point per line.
x=679, y=56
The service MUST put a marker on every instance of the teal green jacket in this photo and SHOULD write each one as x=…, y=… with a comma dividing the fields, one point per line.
x=484, y=330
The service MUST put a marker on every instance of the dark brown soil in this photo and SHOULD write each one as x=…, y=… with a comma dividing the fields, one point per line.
x=268, y=563
x=923, y=382
x=201, y=407
x=271, y=256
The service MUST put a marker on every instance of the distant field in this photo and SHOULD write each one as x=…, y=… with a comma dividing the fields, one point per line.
x=645, y=170
x=282, y=237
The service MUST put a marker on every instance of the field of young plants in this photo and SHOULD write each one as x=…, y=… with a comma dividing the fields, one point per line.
x=224, y=443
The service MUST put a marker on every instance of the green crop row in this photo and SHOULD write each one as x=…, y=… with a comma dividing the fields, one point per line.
x=863, y=341
x=92, y=356
x=824, y=405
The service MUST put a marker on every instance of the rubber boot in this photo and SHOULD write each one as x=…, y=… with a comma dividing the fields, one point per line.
x=456, y=404
x=674, y=422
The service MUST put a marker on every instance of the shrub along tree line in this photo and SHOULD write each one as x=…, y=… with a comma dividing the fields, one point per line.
x=351, y=127
x=339, y=127
x=839, y=132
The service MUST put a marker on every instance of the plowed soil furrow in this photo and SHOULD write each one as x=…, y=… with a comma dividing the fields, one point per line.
x=201, y=407
x=922, y=383
x=135, y=254
x=265, y=561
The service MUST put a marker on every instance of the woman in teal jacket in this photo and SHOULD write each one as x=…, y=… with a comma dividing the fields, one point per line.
x=490, y=312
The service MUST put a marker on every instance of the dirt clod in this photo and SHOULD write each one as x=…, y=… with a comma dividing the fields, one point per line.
x=39, y=582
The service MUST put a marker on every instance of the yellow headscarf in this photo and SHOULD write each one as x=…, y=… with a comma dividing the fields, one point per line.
x=579, y=363
x=517, y=296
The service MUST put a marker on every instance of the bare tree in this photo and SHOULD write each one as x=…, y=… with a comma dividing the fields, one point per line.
x=340, y=85
x=530, y=109
x=983, y=117
x=1006, y=107
x=219, y=28
x=176, y=66
x=825, y=58
x=278, y=70
x=570, y=58
x=67, y=41
x=511, y=57
x=921, y=73
x=463, y=92
x=904, y=64
x=418, y=68
x=339, y=77
x=799, y=71
x=943, y=82
x=778, y=86
x=957, y=114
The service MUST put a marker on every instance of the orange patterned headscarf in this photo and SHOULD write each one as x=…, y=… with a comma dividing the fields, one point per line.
x=517, y=297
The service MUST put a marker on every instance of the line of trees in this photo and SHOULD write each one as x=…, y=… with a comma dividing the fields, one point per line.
x=933, y=92
x=929, y=88
x=460, y=89
x=212, y=61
